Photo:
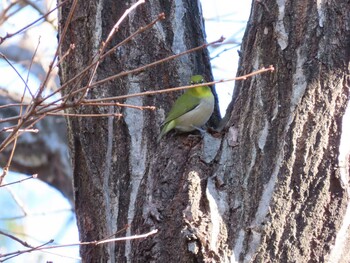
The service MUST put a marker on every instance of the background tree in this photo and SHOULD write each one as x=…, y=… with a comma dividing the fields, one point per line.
x=44, y=153
x=30, y=207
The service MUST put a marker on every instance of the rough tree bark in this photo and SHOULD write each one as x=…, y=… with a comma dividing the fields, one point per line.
x=273, y=194
x=289, y=198
x=121, y=174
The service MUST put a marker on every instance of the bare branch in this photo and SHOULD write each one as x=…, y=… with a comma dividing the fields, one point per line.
x=126, y=238
x=8, y=129
x=18, y=74
x=63, y=35
x=71, y=47
x=34, y=176
x=145, y=93
x=17, y=253
x=119, y=105
x=86, y=115
x=38, y=99
x=18, y=201
x=124, y=73
x=96, y=243
x=110, y=51
x=24, y=243
x=9, y=35
x=104, y=45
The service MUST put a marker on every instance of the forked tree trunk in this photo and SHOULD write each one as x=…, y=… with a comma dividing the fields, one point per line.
x=273, y=195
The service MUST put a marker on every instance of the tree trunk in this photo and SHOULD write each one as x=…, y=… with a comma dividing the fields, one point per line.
x=273, y=195
x=121, y=175
x=284, y=184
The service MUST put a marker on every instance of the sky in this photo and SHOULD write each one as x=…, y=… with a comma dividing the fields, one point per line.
x=226, y=18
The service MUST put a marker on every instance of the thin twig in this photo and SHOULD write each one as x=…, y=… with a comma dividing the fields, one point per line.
x=15, y=118
x=7, y=166
x=124, y=73
x=59, y=107
x=24, y=243
x=17, y=253
x=34, y=176
x=96, y=243
x=29, y=68
x=85, y=115
x=18, y=201
x=9, y=129
x=10, y=105
x=18, y=74
x=146, y=93
x=119, y=105
x=61, y=39
x=125, y=238
x=4, y=17
x=8, y=35
x=140, y=30
x=38, y=99
x=82, y=103
x=16, y=133
x=109, y=52
x=71, y=47
x=104, y=44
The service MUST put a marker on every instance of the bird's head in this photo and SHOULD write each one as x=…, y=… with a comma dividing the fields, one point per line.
x=201, y=91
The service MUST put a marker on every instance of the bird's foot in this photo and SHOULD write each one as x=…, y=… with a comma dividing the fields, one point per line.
x=200, y=130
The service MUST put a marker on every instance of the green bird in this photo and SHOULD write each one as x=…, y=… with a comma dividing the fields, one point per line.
x=191, y=110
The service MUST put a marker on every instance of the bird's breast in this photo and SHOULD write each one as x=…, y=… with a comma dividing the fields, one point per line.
x=196, y=117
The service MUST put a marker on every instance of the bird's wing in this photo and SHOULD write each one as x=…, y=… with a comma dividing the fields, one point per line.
x=182, y=105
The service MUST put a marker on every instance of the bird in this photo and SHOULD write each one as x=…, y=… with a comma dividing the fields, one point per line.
x=191, y=110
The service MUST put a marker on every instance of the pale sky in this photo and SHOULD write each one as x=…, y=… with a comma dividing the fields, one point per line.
x=225, y=18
